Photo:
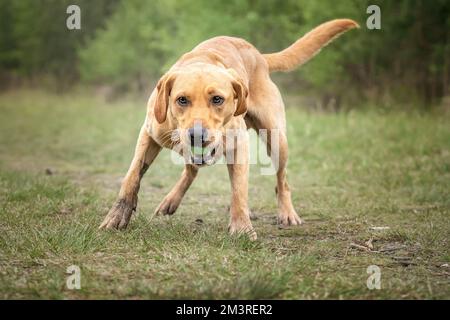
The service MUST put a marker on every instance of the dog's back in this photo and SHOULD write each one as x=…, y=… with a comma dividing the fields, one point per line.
x=231, y=49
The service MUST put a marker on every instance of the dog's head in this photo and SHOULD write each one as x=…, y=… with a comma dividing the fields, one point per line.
x=201, y=99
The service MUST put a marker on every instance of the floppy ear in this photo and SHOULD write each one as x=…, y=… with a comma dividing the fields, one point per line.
x=164, y=87
x=240, y=93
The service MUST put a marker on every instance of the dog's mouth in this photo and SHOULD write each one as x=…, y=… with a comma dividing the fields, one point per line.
x=201, y=156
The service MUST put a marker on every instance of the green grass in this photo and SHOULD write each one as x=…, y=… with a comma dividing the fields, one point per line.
x=349, y=172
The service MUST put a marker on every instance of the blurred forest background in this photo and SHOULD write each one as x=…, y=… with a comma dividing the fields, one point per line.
x=125, y=45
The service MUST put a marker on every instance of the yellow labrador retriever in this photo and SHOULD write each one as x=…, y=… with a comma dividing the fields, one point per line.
x=222, y=84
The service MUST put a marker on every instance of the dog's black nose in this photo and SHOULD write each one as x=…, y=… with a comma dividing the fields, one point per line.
x=198, y=135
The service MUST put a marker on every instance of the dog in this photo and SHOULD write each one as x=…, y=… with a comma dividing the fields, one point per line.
x=222, y=84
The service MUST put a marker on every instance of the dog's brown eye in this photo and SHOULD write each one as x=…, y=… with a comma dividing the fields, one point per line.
x=182, y=101
x=217, y=100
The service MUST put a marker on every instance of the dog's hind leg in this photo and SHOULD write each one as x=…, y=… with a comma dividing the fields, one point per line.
x=173, y=199
x=146, y=151
x=286, y=212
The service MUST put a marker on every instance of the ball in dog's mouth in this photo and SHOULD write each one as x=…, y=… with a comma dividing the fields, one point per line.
x=203, y=155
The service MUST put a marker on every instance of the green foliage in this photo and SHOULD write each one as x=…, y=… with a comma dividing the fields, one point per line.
x=142, y=39
x=406, y=59
x=36, y=41
x=131, y=42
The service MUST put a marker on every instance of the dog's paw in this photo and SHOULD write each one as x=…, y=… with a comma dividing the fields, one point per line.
x=168, y=206
x=118, y=216
x=289, y=218
x=242, y=226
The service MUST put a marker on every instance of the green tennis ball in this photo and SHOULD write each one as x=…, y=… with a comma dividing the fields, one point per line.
x=199, y=150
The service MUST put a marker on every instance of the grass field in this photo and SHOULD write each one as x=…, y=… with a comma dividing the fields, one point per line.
x=62, y=159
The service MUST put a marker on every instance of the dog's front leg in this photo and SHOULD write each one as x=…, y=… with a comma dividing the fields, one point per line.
x=146, y=151
x=238, y=171
x=171, y=202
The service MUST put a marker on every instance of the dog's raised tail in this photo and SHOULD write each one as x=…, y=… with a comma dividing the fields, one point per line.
x=308, y=46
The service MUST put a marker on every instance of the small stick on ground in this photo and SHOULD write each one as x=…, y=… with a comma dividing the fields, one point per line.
x=360, y=247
